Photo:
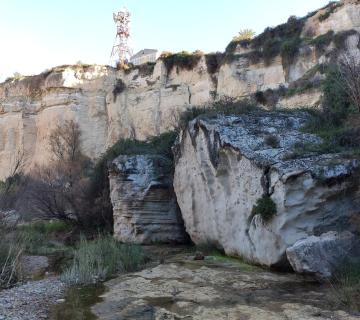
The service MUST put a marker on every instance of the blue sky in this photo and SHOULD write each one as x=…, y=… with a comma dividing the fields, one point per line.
x=40, y=34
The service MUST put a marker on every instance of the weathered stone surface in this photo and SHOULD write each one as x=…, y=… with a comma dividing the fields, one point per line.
x=144, y=202
x=323, y=255
x=224, y=165
x=213, y=290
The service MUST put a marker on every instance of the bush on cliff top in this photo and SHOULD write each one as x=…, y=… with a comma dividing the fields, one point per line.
x=99, y=179
x=226, y=107
x=181, y=60
x=330, y=9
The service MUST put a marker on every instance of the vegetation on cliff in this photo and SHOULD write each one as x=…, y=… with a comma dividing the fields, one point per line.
x=182, y=60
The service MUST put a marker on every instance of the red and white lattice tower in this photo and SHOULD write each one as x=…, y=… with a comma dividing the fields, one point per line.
x=121, y=50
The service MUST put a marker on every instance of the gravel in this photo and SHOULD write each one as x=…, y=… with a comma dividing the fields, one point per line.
x=31, y=301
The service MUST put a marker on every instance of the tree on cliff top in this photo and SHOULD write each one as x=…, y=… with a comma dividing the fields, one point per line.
x=245, y=34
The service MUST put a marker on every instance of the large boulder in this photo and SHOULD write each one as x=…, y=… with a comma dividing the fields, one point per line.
x=223, y=167
x=324, y=255
x=144, y=202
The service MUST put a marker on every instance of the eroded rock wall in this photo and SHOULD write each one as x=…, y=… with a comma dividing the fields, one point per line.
x=225, y=165
x=144, y=202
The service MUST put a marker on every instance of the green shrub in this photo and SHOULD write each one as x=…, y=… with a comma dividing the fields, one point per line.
x=100, y=259
x=271, y=49
x=337, y=105
x=38, y=237
x=145, y=69
x=331, y=123
x=100, y=189
x=225, y=107
x=265, y=207
x=291, y=29
x=289, y=50
x=269, y=44
x=47, y=227
x=341, y=37
x=322, y=41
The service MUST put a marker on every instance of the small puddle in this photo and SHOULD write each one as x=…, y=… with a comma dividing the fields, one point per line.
x=78, y=303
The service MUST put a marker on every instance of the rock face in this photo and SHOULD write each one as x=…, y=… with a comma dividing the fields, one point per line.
x=109, y=104
x=106, y=103
x=144, y=203
x=323, y=255
x=225, y=165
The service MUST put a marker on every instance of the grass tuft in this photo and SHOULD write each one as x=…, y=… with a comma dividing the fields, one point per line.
x=346, y=288
x=98, y=260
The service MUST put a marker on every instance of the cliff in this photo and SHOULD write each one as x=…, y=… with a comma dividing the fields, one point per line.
x=227, y=167
x=109, y=104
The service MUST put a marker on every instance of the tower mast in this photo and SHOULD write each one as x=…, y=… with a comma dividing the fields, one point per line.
x=121, y=50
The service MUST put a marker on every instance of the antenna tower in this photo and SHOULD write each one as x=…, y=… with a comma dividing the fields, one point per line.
x=121, y=50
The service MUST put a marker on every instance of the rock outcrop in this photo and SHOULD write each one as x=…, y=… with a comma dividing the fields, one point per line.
x=144, y=202
x=323, y=256
x=109, y=104
x=226, y=164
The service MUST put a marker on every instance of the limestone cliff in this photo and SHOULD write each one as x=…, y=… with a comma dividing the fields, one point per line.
x=226, y=164
x=109, y=104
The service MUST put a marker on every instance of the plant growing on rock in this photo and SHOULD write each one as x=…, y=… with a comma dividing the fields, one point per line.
x=245, y=34
x=181, y=60
x=289, y=50
x=265, y=207
x=119, y=88
x=322, y=41
x=330, y=9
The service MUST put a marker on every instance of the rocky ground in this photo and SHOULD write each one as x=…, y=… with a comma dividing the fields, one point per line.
x=213, y=289
x=31, y=301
